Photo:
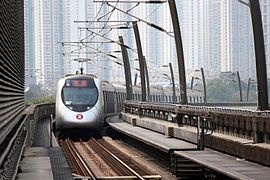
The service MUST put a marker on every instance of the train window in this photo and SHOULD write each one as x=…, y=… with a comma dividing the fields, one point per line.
x=80, y=96
x=80, y=93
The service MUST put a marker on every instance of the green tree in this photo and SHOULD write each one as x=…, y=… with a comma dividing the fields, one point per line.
x=220, y=90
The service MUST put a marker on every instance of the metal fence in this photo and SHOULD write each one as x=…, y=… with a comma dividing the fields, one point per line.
x=11, y=64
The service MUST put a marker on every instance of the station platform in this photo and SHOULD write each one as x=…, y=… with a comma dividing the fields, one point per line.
x=42, y=162
x=230, y=166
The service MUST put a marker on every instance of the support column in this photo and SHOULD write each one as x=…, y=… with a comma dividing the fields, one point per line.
x=240, y=89
x=259, y=54
x=179, y=51
x=204, y=86
x=248, y=85
x=173, y=83
x=126, y=69
x=140, y=55
x=147, y=77
x=135, y=79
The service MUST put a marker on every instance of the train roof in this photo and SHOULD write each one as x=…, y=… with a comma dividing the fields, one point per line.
x=68, y=76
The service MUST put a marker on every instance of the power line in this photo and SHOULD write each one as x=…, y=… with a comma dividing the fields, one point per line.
x=142, y=20
x=97, y=14
x=103, y=36
x=105, y=24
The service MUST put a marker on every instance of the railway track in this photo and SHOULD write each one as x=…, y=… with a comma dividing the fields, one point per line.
x=100, y=160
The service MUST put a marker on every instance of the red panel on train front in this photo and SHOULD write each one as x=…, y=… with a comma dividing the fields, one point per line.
x=83, y=83
x=76, y=83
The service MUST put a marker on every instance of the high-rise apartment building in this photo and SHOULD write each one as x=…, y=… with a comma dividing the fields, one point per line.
x=29, y=24
x=216, y=35
x=235, y=38
x=46, y=25
x=55, y=25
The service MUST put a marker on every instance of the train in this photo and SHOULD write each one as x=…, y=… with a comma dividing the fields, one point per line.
x=83, y=101
x=79, y=103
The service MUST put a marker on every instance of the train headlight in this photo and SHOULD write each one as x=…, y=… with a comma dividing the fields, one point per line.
x=70, y=108
x=88, y=108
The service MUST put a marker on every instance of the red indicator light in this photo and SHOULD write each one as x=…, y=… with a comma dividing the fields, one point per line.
x=83, y=83
x=76, y=83
x=79, y=116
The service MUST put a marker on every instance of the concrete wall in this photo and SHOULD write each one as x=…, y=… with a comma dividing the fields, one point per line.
x=34, y=114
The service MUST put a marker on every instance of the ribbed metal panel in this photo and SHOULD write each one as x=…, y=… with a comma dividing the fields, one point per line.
x=11, y=64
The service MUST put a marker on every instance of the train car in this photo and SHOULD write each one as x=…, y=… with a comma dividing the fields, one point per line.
x=79, y=103
x=83, y=101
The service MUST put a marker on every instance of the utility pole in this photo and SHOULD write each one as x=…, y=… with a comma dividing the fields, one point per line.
x=127, y=69
x=204, y=86
x=147, y=77
x=173, y=83
x=259, y=54
x=240, y=89
x=140, y=55
x=179, y=51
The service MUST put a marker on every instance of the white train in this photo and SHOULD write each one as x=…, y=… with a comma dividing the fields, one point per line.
x=83, y=101
x=79, y=103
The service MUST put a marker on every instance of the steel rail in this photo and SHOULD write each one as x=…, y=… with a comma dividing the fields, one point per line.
x=126, y=159
x=118, y=168
x=81, y=165
x=100, y=164
x=119, y=160
x=68, y=151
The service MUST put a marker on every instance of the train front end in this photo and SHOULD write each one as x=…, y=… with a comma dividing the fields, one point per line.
x=79, y=103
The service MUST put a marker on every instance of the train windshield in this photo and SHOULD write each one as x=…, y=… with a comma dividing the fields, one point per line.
x=80, y=92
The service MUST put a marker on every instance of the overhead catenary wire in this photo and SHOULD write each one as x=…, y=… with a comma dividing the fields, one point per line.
x=94, y=34
x=153, y=11
x=100, y=8
x=145, y=17
x=112, y=40
x=142, y=20
x=115, y=7
x=130, y=9
x=105, y=24
x=102, y=52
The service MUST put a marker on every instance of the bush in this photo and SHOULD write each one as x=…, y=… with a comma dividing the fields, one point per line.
x=40, y=100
